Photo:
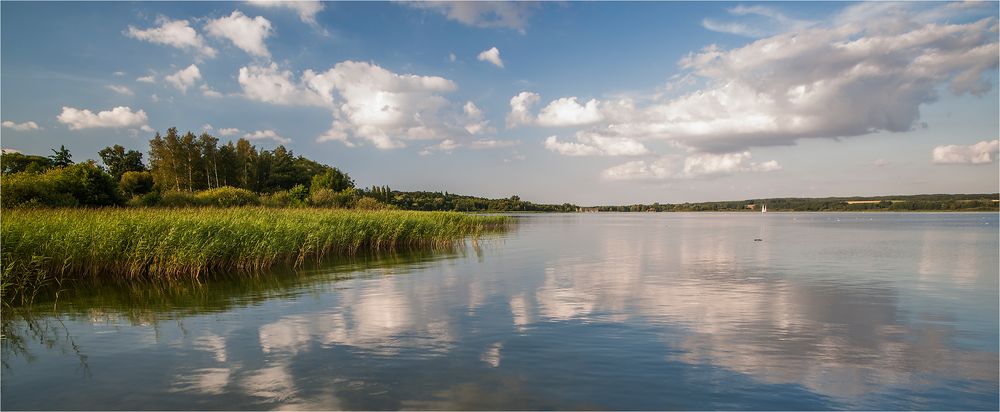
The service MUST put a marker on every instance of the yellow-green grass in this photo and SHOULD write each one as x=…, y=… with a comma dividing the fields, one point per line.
x=127, y=244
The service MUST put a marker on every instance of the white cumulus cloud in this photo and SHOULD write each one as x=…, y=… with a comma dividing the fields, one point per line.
x=271, y=85
x=21, y=127
x=475, y=122
x=698, y=165
x=118, y=118
x=174, y=33
x=184, y=78
x=520, y=109
x=567, y=112
x=146, y=79
x=367, y=101
x=265, y=135
x=589, y=144
x=840, y=79
x=491, y=55
x=248, y=34
x=979, y=153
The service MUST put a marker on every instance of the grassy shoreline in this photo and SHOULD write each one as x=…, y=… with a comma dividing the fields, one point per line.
x=44, y=246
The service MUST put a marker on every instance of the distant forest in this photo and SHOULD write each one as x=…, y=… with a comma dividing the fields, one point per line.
x=941, y=202
x=189, y=170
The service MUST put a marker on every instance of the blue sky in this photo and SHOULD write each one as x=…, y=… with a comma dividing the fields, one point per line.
x=590, y=103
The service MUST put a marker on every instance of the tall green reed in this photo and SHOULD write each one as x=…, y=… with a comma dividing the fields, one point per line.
x=42, y=246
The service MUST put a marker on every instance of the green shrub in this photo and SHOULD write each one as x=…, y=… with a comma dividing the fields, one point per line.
x=368, y=203
x=32, y=189
x=332, y=179
x=176, y=198
x=323, y=198
x=19, y=162
x=146, y=200
x=328, y=198
x=299, y=193
x=228, y=196
x=276, y=199
x=90, y=185
x=136, y=183
x=82, y=184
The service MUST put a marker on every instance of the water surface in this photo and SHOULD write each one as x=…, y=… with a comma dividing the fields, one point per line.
x=567, y=311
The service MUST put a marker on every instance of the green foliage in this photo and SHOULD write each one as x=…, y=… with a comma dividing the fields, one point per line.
x=332, y=179
x=119, y=162
x=61, y=157
x=277, y=199
x=136, y=183
x=34, y=190
x=18, y=163
x=299, y=194
x=90, y=185
x=186, y=162
x=344, y=199
x=450, y=201
x=323, y=198
x=177, y=198
x=146, y=200
x=127, y=244
x=82, y=184
x=227, y=196
x=367, y=203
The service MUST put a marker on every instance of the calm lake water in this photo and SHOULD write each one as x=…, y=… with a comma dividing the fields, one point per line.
x=566, y=311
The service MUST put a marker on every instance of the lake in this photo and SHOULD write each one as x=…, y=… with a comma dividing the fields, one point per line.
x=565, y=311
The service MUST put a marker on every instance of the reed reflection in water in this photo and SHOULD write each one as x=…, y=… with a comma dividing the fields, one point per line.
x=608, y=311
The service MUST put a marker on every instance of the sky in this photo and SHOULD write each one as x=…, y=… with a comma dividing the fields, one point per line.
x=588, y=103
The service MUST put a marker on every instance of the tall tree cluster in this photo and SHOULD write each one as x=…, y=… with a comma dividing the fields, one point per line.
x=190, y=163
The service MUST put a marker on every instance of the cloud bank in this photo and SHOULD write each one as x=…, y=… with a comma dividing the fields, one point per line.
x=983, y=152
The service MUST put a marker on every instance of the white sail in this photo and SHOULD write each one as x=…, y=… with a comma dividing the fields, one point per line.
x=763, y=209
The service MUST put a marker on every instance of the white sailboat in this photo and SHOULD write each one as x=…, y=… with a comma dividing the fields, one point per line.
x=763, y=209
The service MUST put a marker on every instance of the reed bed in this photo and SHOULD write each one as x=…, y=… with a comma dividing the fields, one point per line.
x=128, y=244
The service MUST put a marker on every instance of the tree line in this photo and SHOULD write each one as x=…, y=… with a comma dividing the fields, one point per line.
x=189, y=170
x=177, y=164
x=928, y=202
x=192, y=163
x=421, y=200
